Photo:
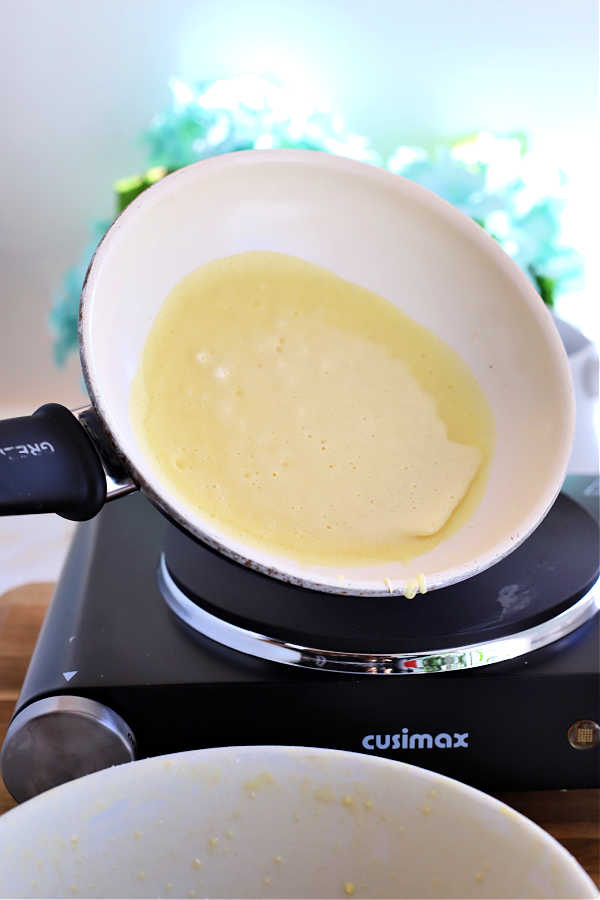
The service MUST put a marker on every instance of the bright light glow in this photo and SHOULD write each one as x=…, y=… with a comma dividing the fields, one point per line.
x=182, y=92
x=405, y=156
x=264, y=142
x=498, y=223
x=502, y=156
x=226, y=93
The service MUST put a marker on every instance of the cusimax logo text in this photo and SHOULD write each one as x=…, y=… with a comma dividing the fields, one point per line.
x=406, y=741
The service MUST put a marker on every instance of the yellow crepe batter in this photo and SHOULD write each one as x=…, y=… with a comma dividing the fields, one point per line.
x=308, y=415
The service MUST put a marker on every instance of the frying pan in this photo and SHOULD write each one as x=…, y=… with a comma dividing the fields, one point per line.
x=277, y=822
x=367, y=225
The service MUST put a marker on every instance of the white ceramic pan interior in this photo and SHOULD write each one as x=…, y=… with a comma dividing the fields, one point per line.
x=277, y=822
x=386, y=234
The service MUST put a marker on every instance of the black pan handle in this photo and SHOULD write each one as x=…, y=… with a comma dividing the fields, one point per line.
x=48, y=464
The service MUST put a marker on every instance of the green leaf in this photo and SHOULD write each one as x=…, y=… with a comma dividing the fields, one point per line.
x=127, y=189
x=546, y=286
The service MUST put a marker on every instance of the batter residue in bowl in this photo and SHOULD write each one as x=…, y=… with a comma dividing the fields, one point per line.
x=307, y=415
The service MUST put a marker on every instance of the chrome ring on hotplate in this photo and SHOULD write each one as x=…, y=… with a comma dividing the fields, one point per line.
x=449, y=659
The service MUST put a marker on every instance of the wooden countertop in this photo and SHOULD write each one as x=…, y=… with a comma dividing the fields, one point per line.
x=572, y=817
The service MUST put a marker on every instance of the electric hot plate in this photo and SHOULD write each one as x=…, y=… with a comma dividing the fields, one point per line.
x=153, y=644
x=538, y=594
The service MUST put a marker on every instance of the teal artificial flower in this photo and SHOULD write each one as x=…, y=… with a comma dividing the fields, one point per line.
x=493, y=179
x=64, y=313
x=496, y=181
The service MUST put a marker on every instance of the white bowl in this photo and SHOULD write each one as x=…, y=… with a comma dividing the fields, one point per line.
x=277, y=822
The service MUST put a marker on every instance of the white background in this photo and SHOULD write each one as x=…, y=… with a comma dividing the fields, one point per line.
x=81, y=79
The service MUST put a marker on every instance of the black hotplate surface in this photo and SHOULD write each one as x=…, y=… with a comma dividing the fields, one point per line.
x=549, y=572
x=109, y=636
